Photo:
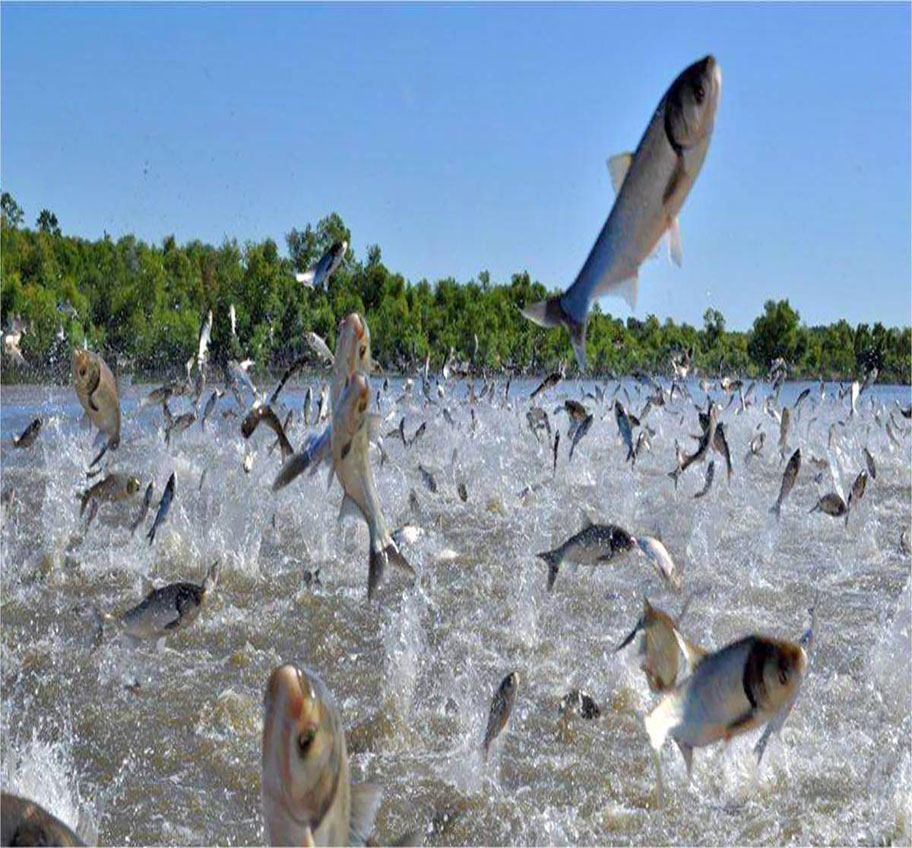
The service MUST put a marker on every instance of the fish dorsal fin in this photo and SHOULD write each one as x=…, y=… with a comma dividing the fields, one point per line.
x=365, y=800
x=618, y=166
x=694, y=654
x=675, y=251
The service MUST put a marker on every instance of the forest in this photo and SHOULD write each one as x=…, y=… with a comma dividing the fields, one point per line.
x=141, y=306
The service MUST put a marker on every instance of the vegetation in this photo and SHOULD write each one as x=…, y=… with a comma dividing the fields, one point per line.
x=141, y=306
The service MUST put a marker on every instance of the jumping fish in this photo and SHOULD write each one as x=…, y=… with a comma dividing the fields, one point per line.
x=317, y=275
x=730, y=692
x=308, y=796
x=593, y=545
x=27, y=438
x=501, y=707
x=163, y=506
x=789, y=476
x=652, y=185
x=23, y=822
x=144, y=509
x=661, y=559
x=96, y=390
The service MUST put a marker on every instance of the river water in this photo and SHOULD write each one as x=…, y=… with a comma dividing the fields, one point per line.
x=161, y=744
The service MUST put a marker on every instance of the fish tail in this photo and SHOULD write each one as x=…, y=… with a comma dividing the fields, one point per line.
x=376, y=565
x=551, y=313
x=675, y=474
x=553, y=559
x=776, y=508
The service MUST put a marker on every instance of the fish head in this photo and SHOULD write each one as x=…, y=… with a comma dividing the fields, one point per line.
x=133, y=485
x=774, y=672
x=509, y=685
x=691, y=103
x=86, y=370
x=304, y=754
x=621, y=540
x=353, y=345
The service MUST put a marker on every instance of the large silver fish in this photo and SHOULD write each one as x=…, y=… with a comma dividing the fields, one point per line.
x=308, y=796
x=96, y=389
x=730, y=692
x=349, y=442
x=593, y=545
x=652, y=185
x=501, y=707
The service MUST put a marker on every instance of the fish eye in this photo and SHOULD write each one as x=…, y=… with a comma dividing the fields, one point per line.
x=783, y=674
x=699, y=93
x=362, y=351
x=305, y=738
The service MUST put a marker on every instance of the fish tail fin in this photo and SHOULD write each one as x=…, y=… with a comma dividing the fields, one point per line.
x=376, y=565
x=553, y=559
x=551, y=313
x=675, y=474
x=776, y=508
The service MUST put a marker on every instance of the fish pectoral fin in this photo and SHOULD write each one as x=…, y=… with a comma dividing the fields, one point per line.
x=350, y=509
x=365, y=801
x=628, y=290
x=687, y=752
x=694, y=654
x=675, y=250
x=630, y=636
x=618, y=166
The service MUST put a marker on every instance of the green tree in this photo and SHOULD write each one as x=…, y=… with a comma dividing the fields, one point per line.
x=774, y=335
x=47, y=222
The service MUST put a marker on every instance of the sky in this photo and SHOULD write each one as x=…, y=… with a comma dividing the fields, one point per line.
x=468, y=137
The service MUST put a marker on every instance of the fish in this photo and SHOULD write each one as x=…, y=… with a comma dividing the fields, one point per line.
x=114, y=487
x=418, y=433
x=783, y=431
x=170, y=608
x=661, y=559
x=710, y=473
x=801, y=397
x=703, y=448
x=661, y=647
x=349, y=445
x=238, y=378
x=731, y=691
x=652, y=185
x=27, y=438
x=307, y=794
x=538, y=420
x=319, y=347
x=720, y=446
x=202, y=481
x=756, y=445
x=581, y=431
x=263, y=412
x=548, y=383
x=624, y=428
x=854, y=392
x=581, y=703
x=202, y=355
x=556, y=443
x=23, y=822
x=593, y=545
x=428, y=478
x=179, y=424
x=290, y=371
x=857, y=491
x=575, y=410
x=163, y=506
x=210, y=406
x=501, y=707
x=247, y=464
x=463, y=492
x=324, y=410
x=789, y=476
x=832, y=504
x=869, y=461
x=96, y=390
x=317, y=275
x=144, y=509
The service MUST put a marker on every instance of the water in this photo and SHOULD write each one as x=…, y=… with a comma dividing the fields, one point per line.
x=142, y=745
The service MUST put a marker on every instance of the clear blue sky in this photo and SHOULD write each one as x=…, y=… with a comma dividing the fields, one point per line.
x=468, y=137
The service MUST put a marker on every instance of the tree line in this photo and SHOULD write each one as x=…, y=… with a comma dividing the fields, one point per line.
x=141, y=306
